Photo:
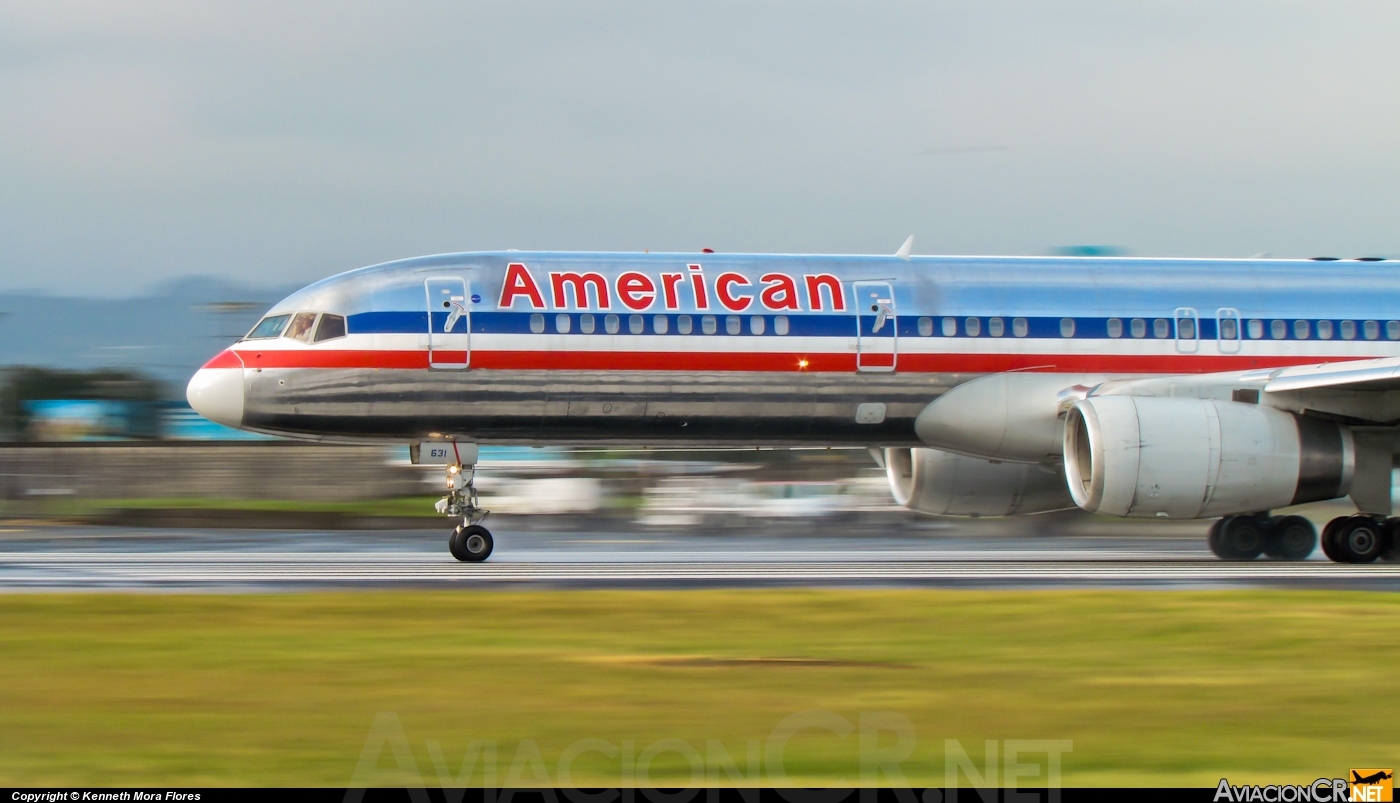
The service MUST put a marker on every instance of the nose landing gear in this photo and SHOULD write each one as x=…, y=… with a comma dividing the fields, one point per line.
x=469, y=542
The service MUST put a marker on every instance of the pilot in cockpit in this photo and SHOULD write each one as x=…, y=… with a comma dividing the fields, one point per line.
x=301, y=326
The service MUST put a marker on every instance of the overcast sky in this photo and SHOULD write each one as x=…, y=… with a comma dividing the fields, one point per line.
x=278, y=142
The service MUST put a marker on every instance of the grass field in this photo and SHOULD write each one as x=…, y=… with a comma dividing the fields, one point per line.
x=1176, y=688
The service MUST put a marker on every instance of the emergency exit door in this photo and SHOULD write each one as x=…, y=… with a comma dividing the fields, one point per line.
x=877, y=341
x=449, y=323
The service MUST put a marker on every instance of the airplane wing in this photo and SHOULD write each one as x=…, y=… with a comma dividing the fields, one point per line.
x=1380, y=374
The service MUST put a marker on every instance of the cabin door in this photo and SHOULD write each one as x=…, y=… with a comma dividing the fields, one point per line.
x=877, y=341
x=449, y=323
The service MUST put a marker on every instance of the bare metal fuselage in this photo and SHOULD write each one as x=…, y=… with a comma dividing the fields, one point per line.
x=754, y=350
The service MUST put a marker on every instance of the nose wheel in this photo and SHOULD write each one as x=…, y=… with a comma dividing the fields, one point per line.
x=471, y=543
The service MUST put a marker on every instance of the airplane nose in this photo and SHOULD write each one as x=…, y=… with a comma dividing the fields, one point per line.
x=217, y=394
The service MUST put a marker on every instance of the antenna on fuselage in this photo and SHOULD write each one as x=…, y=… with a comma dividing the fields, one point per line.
x=903, y=252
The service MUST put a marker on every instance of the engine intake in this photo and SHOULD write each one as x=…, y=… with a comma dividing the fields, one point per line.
x=1195, y=458
x=948, y=484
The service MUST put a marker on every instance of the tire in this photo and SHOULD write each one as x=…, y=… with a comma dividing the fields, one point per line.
x=1289, y=538
x=1360, y=539
x=1392, y=553
x=1213, y=540
x=1240, y=538
x=471, y=544
x=1329, y=539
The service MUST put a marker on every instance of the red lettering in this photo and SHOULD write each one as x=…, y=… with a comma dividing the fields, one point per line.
x=668, y=289
x=519, y=282
x=636, y=291
x=723, y=289
x=579, y=283
x=779, y=292
x=697, y=280
x=832, y=284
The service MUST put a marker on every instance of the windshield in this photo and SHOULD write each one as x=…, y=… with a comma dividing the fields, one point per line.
x=271, y=326
x=301, y=326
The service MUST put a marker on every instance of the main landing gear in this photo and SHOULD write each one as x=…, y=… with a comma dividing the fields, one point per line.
x=1348, y=539
x=1361, y=539
x=1247, y=537
x=469, y=542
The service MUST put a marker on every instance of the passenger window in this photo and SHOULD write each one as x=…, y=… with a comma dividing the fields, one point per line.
x=1278, y=329
x=996, y=328
x=635, y=324
x=1161, y=328
x=301, y=327
x=1372, y=330
x=1300, y=330
x=707, y=324
x=585, y=323
x=1348, y=330
x=561, y=324
x=1324, y=330
x=950, y=327
x=660, y=323
x=537, y=323
x=1139, y=327
x=1020, y=327
x=1256, y=329
x=1392, y=330
x=611, y=324
x=1186, y=328
x=925, y=327
x=331, y=327
x=731, y=324
x=757, y=324
x=1066, y=327
x=973, y=327
x=1229, y=329
x=271, y=326
x=683, y=324
x=1115, y=327
x=780, y=324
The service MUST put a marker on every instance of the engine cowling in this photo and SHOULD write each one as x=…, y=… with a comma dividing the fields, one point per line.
x=948, y=484
x=1195, y=458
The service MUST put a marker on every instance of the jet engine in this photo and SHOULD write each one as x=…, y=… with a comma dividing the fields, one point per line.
x=1195, y=458
x=948, y=484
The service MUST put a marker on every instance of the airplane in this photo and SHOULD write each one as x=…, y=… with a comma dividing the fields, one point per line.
x=984, y=386
x=1375, y=777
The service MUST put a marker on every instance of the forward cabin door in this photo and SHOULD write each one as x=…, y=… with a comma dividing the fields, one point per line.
x=449, y=323
x=877, y=343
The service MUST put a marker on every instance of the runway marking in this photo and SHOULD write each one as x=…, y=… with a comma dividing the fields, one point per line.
x=215, y=569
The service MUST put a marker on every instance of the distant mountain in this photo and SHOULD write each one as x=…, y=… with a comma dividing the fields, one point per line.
x=167, y=334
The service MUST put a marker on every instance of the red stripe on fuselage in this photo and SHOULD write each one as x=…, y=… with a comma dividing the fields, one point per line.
x=228, y=358
x=764, y=361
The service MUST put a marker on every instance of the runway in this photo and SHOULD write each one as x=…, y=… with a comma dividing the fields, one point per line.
x=215, y=561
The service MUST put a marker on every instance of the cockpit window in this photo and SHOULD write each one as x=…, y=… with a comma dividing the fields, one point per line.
x=331, y=327
x=301, y=327
x=271, y=326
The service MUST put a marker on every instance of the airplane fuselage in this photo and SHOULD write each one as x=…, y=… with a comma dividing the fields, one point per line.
x=763, y=350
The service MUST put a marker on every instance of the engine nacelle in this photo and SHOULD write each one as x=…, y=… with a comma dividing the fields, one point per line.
x=1194, y=458
x=947, y=484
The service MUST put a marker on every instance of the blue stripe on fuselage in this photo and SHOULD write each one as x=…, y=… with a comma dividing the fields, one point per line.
x=807, y=324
